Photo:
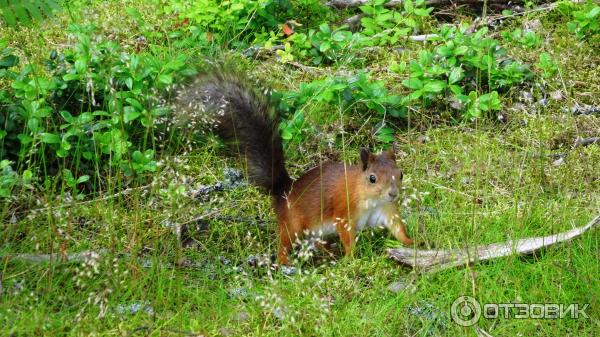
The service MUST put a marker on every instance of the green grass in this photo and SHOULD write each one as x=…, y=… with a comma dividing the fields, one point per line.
x=466, y=184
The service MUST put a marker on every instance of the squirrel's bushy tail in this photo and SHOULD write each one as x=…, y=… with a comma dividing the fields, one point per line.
x=243, y=117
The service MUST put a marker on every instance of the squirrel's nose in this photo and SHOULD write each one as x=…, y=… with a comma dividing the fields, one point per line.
x=393, y=194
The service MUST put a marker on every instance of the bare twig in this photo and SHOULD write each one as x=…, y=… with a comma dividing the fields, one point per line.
x=587, y=141
x=260, y=52
x=43, y=258
x=353, y=20
x=152, y=330
x=305, y=68
x=435, y=260
x=342, y=4
x=421, y=38
x=544, y=7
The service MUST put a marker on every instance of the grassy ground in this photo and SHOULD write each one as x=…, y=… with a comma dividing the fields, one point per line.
x=466, y=184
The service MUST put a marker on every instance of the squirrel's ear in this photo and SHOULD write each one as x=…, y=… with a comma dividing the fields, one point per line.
x=391, y=152
x=365, y=157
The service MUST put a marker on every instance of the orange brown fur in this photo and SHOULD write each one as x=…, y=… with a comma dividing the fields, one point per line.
x=337, y=195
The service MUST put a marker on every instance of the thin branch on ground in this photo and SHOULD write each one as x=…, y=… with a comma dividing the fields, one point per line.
x=587, y=141
x=435, y=260
x=343, y=4
x=46, y=258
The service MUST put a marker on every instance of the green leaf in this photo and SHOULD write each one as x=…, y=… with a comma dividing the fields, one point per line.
x=457, y=90
x=339, y=36
x=81, y=65
x=85, y=118
x=413, y=83
x=325, y=28
x=8, y=61
x=50, y=138
x=325, y=46
x=134, y=103
x=367, y=9
x=33, y=10
x=455, y=75
x=422, y=12
x=386, y=135
x=398, y=67
x=33, y=124
x=415, y=95
x=408, y=6
x=425, y=57
x=461, y=50
x=434, y=86
x=27, y=176
x=70, y=77
x=444, y=51
x=593, y=13
x=24, y=139
x=23, y=11
x=237, y=6
x=83, y=179
x=165, y=79
x=137, y=156
x=130, y=114
x=286, y=134
x=68, y=117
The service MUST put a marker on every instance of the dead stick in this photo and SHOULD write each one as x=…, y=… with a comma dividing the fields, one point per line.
x=43, y=258
x=353, y=20
x=342, y=4
x=587, y=141
x=435, y=260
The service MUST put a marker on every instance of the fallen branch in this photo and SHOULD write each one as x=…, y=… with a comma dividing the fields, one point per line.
x=46, y=258
x=435, y=260
x=260, y=52
x=587, y=141
x=342, y=4
x=543, y=7
x=353, y=21
x=305, y=68
x=88, y=255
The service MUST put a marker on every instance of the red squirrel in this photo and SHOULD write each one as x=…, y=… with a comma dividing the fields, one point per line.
x=328, y=199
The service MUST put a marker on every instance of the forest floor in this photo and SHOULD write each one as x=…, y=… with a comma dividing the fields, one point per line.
x=174, y=257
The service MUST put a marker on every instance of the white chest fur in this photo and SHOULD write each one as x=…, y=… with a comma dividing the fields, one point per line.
x=374, y=215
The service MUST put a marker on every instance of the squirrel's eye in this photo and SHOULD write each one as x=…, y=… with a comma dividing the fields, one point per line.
x=372, y=179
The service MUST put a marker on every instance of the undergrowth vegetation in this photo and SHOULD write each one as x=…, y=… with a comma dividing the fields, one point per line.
x=484, y=105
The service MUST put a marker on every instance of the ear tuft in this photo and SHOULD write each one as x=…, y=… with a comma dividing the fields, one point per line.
x=391, y=153
x=365, y=156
